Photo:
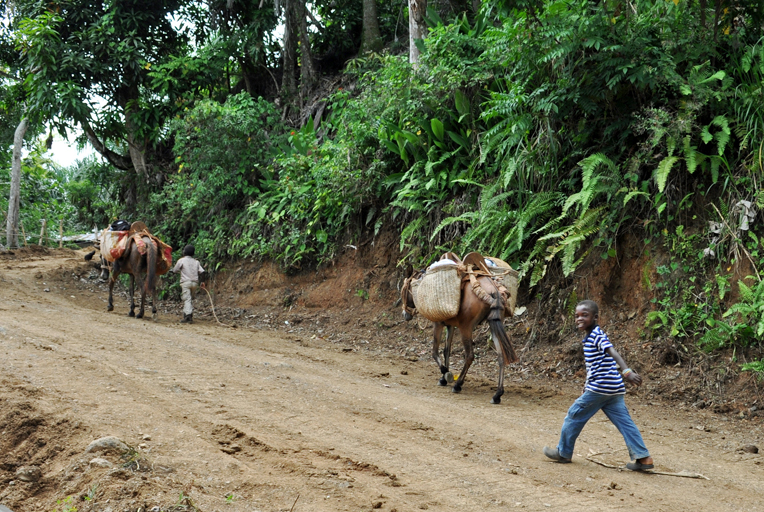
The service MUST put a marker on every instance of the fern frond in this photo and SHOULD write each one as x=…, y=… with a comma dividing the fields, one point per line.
x=409, y=230
x=663, y=170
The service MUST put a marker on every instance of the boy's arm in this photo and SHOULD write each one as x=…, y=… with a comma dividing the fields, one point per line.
x=632, y=377
x=202, y=276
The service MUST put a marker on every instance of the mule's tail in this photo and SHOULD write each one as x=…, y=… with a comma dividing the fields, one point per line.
x=497, y=329
x=151, y=263
x=89, y=256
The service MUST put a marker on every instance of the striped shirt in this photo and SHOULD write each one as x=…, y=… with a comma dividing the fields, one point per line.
x=602, y=375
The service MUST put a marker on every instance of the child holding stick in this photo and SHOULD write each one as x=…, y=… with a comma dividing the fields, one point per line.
x=604, y=389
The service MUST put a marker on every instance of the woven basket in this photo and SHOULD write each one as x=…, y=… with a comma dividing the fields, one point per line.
x=438, y=295
x=511, y=284
x=415, y=288
x=508, y=276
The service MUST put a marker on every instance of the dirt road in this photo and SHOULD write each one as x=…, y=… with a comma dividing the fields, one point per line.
x=244, y=420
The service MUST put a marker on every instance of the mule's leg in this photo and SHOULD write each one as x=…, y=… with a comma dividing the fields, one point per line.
x=104, y=270
x=142, y=286
x=437, y=335
x=132, y=296
x=469, y=356
x=154, y=315
x=496, y=399
x=113, y=279
x=448, y=376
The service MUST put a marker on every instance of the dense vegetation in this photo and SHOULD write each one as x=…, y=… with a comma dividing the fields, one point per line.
x=537, y=131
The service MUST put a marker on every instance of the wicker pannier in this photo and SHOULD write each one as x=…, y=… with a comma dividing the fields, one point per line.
x=438, y=295
x=508, y=277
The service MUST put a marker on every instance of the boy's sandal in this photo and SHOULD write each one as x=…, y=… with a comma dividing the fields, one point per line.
x=553, y=454
x=638, y=466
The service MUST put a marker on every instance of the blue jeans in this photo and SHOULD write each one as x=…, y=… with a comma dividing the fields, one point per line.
x=614, y=408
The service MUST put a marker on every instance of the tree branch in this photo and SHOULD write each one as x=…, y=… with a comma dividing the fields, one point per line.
x=115, y=159
x=9, y=76
x=314, y=20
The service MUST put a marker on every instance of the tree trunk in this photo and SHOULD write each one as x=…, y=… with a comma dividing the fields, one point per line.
x=417, y=28
x=12, y=224
x=371, y=40
x=291, y=30
x=307, y=66
x=136, y=145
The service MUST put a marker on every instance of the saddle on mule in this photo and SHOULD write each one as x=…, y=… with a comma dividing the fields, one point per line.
x=114, y=243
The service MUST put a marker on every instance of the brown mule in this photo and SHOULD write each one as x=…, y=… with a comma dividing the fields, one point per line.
x=472, y=311
x=140, y=266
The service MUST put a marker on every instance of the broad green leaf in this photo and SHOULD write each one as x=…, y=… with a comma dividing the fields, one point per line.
x=719, y=75
x=437, y=128
x=462, y=102
x=459, y=139
x=419, y=43
x=392, y=147
x=411, y=137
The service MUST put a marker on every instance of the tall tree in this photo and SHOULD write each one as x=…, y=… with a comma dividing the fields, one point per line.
x=92, y=62
x=308, y=75
x=297, y=50
x=417, y=28
x=12, y=222
x=291, y=31
x=13, y=112
x=371, y=39
x=240, y=30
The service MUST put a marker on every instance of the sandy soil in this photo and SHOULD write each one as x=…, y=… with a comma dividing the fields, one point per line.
x=250, y=419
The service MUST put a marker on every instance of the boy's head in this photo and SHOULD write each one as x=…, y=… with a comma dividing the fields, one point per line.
x=189, y=250
x=587, y=314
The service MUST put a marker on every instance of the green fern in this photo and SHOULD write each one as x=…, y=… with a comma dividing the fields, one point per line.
x=592, y=185
x=755, y=366
x=409, y=230
x=663, y=170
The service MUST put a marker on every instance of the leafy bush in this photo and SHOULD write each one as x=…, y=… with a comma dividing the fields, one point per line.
x=92, y=187
x=43, y=196
x=223, y=156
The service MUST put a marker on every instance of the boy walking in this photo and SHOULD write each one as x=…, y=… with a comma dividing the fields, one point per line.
x=190, y=274
x=604, y=389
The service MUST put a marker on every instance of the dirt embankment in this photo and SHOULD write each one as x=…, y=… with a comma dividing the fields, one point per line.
x=323, y=400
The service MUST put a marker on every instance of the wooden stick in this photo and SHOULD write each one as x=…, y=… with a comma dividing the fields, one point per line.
x=221, y=323
x=23, y=233
x=42, y=231
x=295, y=502
x=684, y=474
x=60, y=233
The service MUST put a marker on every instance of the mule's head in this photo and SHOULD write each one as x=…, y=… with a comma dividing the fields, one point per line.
x=407, y=303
